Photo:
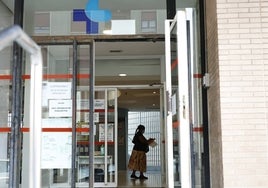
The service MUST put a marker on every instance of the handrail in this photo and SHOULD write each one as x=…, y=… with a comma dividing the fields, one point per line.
x=7, y=36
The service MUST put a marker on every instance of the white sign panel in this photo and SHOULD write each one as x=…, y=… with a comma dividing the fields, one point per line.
x=82, y=104
x=59, y=90
x=56, y=90
x=99, y=104
x=110, y=127
x=60, y=108
x=56, y=150
x=123, y=27
x=96, y=117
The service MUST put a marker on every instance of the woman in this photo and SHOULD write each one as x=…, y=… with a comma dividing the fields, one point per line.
x=137, y=160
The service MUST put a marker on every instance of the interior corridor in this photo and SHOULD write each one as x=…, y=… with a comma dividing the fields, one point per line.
x=154, y=180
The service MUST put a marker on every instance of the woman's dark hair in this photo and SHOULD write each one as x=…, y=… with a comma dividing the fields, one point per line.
x=140, y=128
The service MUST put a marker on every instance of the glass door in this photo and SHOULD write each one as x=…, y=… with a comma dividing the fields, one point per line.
x=69, y=157
x=105, y=138
x=105, y=153
x=178, y=135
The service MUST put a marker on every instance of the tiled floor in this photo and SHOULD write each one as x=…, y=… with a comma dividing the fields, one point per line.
x=154, y=180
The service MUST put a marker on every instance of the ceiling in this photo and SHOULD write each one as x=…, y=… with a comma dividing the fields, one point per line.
x=139, y=99
x=141, y=61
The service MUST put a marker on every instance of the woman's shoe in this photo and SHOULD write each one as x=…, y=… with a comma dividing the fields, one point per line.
x=134, y=176
x=143, y=177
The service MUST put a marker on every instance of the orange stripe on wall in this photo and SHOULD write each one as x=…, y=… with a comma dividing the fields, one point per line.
x=48, y=76
x=85, y=143
x=64, y=76
x=26, y=129
x=5, y=129
x=174, y=64
x=79, y=76
x=56, y=129
x=175, y=124
x=5, y=77
x=26, y=77
x=198, y=129
x=197, y=75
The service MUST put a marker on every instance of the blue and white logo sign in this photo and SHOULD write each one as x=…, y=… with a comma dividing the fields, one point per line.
x=92, y=14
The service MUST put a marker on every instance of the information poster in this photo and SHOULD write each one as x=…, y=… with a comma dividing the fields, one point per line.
x=56, y=90
x=60, y=108
x=99, y=104
x=82, y=104
x=56, y=150
x=57, y=146
x=110, y=127
x=96, y=117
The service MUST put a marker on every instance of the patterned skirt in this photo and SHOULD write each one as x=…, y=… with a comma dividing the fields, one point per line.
x=137, y=161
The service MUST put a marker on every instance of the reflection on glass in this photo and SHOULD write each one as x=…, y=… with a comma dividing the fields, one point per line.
x=4, y=160
x=5, y=114
x=56, y=116
x=175, y=108
x=86, y=17
x=104, y=136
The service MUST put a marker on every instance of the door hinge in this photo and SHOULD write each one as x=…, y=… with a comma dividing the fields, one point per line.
x=206, y=80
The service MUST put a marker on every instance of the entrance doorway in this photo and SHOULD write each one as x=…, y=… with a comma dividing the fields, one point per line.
x=135, y=69
x=122, y=68
x=140, y=105
x=69, y=64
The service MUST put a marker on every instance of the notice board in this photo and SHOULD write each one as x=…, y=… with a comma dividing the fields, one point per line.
x=56, y=150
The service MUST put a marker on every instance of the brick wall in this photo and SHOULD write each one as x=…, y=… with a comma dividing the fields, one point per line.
x=243, y=75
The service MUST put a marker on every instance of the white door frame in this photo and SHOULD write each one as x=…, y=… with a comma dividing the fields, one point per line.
x=183, y=85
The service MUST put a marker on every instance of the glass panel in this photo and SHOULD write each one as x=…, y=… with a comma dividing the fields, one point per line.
x=100, y=145
x=111, y=141
x=151, y=121
x=105, y=131
x=70, y=17
x=4, y=158
x=56, y=116
x=5, y=114
x=196, y=84
x=175, y=108
x=82, y=116
x=82, y=136
x=105, y=136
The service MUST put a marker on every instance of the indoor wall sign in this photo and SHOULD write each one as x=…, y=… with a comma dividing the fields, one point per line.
x=92, y=15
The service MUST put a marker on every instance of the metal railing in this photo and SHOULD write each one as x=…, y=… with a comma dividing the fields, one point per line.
x=7, y=37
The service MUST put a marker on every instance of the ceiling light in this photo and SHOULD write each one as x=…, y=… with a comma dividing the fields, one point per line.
x=122, y=74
